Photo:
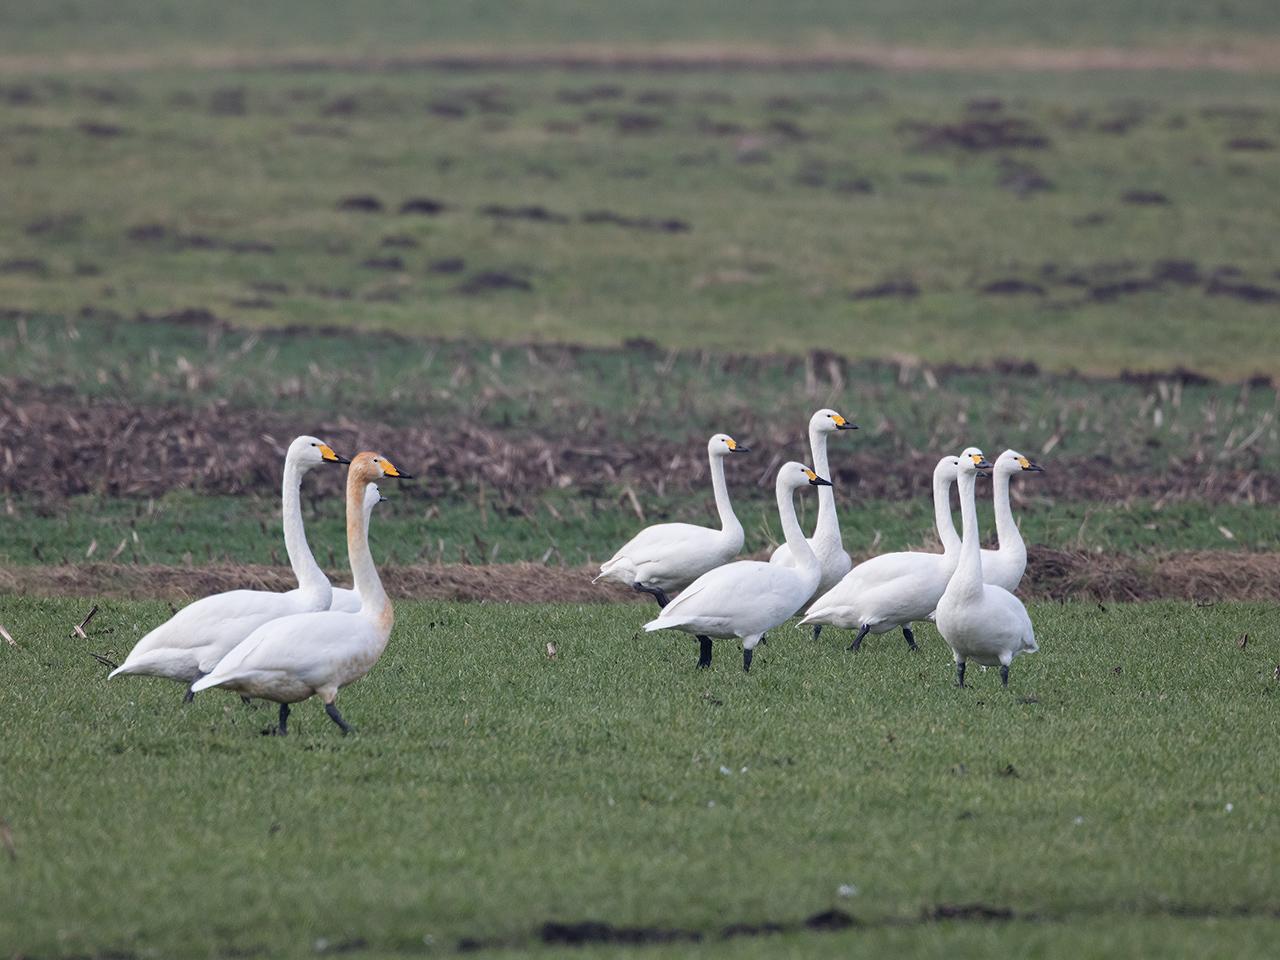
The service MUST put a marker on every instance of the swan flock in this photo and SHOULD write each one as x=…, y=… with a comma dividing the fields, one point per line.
x=316, y=639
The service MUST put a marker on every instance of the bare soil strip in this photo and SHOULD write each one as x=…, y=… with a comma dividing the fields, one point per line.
x=1200, y=576
x=1239, y=56
x=52, y=447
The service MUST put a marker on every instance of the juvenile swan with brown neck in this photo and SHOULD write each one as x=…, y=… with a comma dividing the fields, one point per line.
x=317, y=654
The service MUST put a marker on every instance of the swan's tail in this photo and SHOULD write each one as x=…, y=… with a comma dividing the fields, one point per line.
x=207, y=681
x=609, y=570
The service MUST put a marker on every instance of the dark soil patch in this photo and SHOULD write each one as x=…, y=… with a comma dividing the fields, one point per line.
x=158, y=233
x=1145, y=198
x=829, y=920
x=1095, y=219
x=1186, y=272
x=979, y=134
x=1180, y=375
x=399, y=241
x=56, y=224
x=1023, y=179
x=447, y=265
x=1010, y=286
x=890, y=288
x=1251, y=143
x=534, y=213
x=361, y=203
x=422, y=205
x=662, y=225
x=967, y=911
x=28, y=265
x=94, y=128
x=600, y=91
x=1106, y=292
x=383, y=263
x=1249, y=292
x=492, y=281
x=592, y=931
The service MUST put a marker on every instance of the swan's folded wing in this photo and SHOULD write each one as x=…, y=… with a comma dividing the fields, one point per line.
x=747, y=591
x=296, y=644
x=663, y=539
x=1013, y=616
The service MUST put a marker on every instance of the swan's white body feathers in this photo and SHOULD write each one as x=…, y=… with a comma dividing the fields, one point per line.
x=989, y=630
x=670, y=556
x=884, y=593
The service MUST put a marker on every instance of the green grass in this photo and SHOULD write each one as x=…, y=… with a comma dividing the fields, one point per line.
x=820, y=190
x=572, y=529
x=173, y=26
x=491, y=788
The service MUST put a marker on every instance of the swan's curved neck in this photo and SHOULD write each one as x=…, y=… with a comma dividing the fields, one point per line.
x=801, y=552
x=728, y=519
x=1010, y=538
x=311, y=578
x=373, y=599
x=968, y=575
x=942, y=518
x=827, y=525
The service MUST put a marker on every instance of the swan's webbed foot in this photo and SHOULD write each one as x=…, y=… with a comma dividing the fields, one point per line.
x=857, y=641
x=1004, y=675
x=656, y=592
x=817, y=629
x=747, y=654
x=332, y=710
x=704, y=652
x=911, y=638
x=960, y=673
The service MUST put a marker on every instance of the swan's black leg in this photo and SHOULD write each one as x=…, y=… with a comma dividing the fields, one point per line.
x=191, y=694
x=960, y=672
x=332, y=710
x=283, y=729
x=245, y=700
x=1004, y=676
x=746, y=659
x=704, y=652
x=656, y=592
x=857, y=641
x=911, y=637
x=817, y=629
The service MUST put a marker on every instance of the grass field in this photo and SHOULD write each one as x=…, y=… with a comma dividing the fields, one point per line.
x=1119, y=791
x=536, y=253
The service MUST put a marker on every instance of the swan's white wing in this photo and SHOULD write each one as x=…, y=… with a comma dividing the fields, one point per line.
x=739, y=599
x=202, y=632
x=1009, y=616
x=662, y=540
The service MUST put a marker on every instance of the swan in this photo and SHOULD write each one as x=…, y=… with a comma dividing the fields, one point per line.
x=191, y=642
x=293, y=658
x=895, y=589
x=1004, y=567
x=980, y=621
x=825, y=542
x=667, y=557
x=344, y=599
x=746, y=598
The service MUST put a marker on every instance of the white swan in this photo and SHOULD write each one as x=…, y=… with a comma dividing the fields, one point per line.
x=980, y=622
x=344, y=599
x=667, y=557
x=191, y=642
x=293, y=658
x=825, y=542
x=895, y=589
x=746, y=598
x=1004, y=567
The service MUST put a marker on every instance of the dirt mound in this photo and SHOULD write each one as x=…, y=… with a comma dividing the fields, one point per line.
x=1193, y=575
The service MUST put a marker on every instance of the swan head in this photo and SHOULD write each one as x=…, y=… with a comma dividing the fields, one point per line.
x=1011, y=462
x=794, y=475
x=369, y=467
x=307, y=452
x=828, y=421
x=972, y=462
x=721, y=445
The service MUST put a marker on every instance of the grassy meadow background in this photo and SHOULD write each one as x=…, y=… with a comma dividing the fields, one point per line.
x=537, y=252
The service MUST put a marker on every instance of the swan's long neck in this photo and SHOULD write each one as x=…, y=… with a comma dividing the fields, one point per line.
x=373, y=599
x=967, y=578
x=942, y=518
x=801, y=552
x=311, y=578
x=827, y=525
x=1010, y=538
x=728, y=519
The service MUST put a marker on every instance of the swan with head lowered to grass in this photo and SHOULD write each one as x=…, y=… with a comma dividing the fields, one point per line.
x=747, y=598
x=191, y=642
x=825, y=542
x=345, y=599
x=667, y=557
x=894, y=590
x=317, y=654
x=980, y=622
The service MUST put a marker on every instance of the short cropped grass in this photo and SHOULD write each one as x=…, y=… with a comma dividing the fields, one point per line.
x=1124, y=780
